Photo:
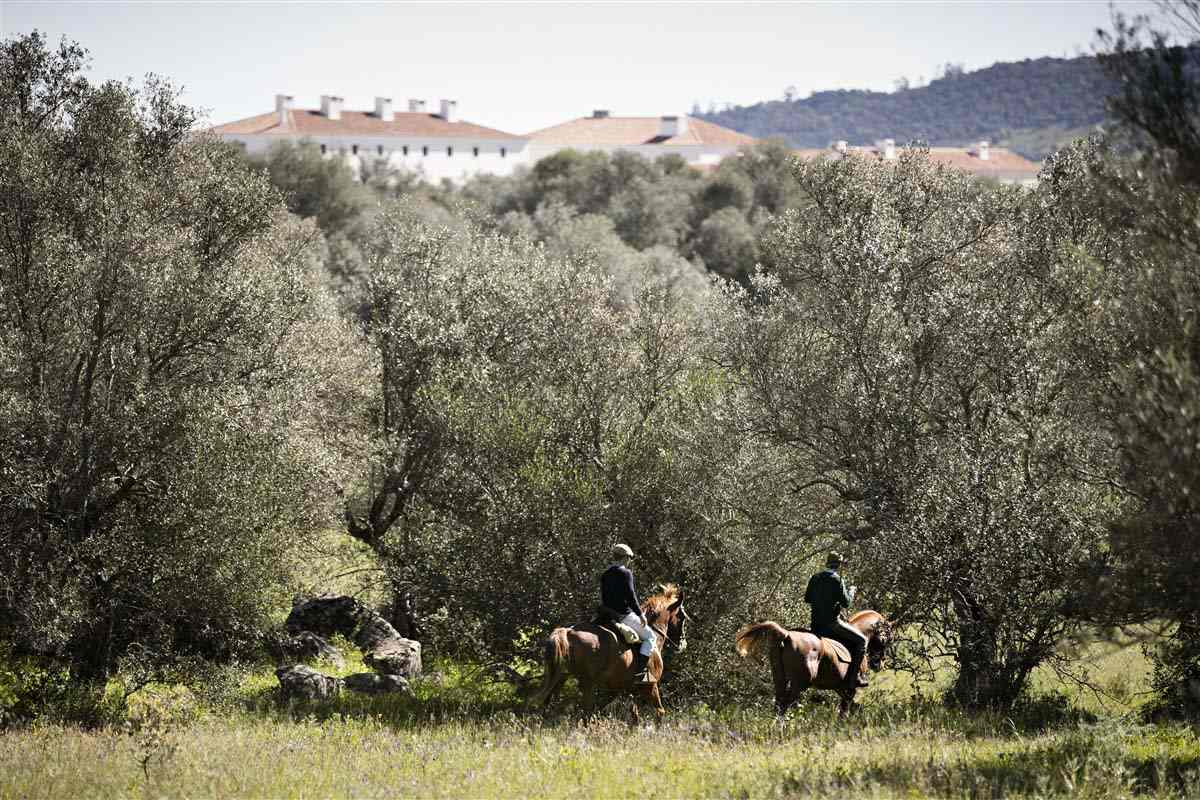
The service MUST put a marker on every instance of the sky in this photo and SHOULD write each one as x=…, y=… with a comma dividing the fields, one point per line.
x=522, y=66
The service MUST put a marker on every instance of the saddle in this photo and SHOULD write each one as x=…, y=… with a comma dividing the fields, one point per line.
x=830, y=648
x=607, y=619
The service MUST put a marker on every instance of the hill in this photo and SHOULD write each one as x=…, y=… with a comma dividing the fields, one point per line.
x=1029, y=105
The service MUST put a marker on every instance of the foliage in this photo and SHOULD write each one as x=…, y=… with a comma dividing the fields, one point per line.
x=165, y=424
x=1154, y=396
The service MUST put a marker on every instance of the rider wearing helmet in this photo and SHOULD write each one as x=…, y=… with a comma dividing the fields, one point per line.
x=827, y=594
x=618, y=593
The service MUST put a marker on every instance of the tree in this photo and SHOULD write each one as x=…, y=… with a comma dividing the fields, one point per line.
x=902, y=356
x=317, y=187
x=170, y=372
x=446, y=310
x=727, y=244
x=1156, y=383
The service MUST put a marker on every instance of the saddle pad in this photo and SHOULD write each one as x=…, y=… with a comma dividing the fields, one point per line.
x=836, y=650
x=622, y=633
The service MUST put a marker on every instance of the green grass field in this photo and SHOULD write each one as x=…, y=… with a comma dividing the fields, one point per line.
x=462, y=736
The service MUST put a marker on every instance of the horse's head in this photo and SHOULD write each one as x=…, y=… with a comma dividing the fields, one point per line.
x=878, y=640
x=665, y=610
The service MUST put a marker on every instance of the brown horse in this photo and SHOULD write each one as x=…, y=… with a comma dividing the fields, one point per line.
x=800, y=659
x=600, y=663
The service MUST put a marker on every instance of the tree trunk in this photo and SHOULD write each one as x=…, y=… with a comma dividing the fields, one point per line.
x=400, y=612
x=986, y=679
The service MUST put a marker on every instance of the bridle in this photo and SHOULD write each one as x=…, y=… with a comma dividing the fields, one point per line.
x=665, y=636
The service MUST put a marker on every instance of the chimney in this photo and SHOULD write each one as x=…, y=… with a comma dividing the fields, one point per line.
x=600, y=113
x=887, y=149
x=984, y=150
x=331, y=106
x=416, y=106
x=840, y=147
x=283, y=104
x=672, y=126
x=449, y=110
x=383, y=109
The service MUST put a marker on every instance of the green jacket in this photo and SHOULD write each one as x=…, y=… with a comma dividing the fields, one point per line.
x=826, y=593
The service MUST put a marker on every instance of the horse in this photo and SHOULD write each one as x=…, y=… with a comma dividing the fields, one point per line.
x=598, y=661
x=800, y=659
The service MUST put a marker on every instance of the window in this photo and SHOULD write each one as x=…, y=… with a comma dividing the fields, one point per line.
x=424, y=149
x=354, y=149
x=503, y=152
x=475, y=150
x=380, y=149
x=404, y=149
x=322, y=149
x=449, y=151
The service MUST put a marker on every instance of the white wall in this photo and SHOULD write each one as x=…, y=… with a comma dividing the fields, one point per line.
x=437, y=165
x=434, y=166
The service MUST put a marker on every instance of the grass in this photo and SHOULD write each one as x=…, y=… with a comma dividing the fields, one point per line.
x=464, y=736
x=888, y=751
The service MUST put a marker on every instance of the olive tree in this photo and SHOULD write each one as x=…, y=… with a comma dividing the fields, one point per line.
x=169, y=374
x=526, y=419
x=903, y=355
x=1153, y=192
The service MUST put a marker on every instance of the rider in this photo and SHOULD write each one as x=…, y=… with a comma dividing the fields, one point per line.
x=618, y=593
x=826, y=593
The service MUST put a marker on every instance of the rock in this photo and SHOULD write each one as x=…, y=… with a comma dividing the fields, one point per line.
x=396, y=657
x=326, y=615
x=306, y=683
x=305, y=646
x=386, y=651
x=370, y=683
x=374, y=631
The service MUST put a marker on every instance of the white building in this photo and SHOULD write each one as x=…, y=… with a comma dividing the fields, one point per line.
x=982, y=160
x=700, y=143
x=434, y=145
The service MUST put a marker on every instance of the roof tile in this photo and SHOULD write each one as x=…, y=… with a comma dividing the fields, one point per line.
x=633, y=131
x=304, y=122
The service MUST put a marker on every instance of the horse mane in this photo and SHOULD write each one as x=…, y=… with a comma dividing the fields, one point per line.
x=666, y=593
x=867, y=620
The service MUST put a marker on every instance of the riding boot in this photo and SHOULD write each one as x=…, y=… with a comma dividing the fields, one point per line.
x=854, y=677
x=641, y=668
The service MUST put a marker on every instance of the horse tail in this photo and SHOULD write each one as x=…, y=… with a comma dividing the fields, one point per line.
x=760, y=637
x=555, y=652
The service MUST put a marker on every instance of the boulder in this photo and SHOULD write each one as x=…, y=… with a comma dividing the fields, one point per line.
x=305, y=646
x=306, y=683
x=374, y=631
x=395, y=657
x=326, y=615
x=370, y=683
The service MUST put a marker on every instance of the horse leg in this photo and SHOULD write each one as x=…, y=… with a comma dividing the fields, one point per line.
x=779, y=675
x=655, y=698
x=847, y=703
x=551, y=683
x=587, y=692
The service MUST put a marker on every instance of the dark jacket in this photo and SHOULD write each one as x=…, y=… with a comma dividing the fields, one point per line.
x=826, y=593
x=617, y=591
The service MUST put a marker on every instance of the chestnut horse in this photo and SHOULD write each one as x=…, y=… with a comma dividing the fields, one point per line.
x=599, y=663
x=800, y=659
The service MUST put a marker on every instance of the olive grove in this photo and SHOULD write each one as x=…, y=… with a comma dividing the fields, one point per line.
x=986, y=395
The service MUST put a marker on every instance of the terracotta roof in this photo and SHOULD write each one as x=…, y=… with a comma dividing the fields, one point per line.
x=303, y=122
x=632, y=131
x=1001, y=162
